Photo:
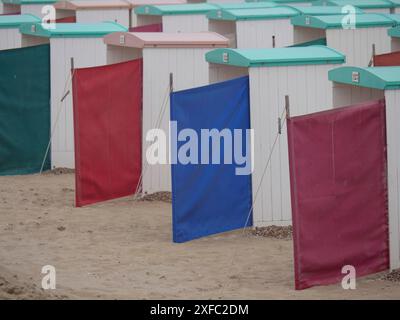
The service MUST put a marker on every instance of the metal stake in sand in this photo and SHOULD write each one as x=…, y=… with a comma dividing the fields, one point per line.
x=160, y=116
x=65, y=95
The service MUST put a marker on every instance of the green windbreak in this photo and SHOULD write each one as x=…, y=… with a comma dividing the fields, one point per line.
x=24, y=109
x=321, y=42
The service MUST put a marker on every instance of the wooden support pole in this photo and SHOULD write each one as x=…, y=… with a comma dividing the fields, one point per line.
x=171, y=82
x=287, y=107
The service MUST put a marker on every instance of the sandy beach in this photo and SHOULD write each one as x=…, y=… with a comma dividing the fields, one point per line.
x=122, y=249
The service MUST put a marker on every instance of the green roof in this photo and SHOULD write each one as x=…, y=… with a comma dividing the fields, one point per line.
x=275, y=57
x=321, y=10
x=253, y=14
x=384, y=78
x=175, y=9
x=320, y=41
x=335, y=21
x=247, y=5
x=395, y=3
x=393, y=16
x=282, y=1
x=72, y=30
x=394, y=32
x=14, y=21
x=362, y=4
x=19, y=2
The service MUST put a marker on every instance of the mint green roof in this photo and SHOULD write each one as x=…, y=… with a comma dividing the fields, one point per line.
x=275, y=57
x=362, y=4
x=320, y=41
x=321, y=10
x=175, y=9
x=247, y=5
x=394, y=32
x=253, y=14
x=14, y=21
x=395, y=3
x=293, y=1
x=335, y=21
x=280, y=2
x=19, y=2
x=393, y=16
x=72, y=30
x=283, y=1
x=384, y=78
x=197, y=8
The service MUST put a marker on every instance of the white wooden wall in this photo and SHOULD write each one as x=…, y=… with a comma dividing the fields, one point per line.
x=395, y=42
x=220, y=72
x=346, y=95
x=259, y=33
x=10, y=39
x=393, y=152
x=189, y=70
x=35, y=9
x=117, y=54
x=87, y=52
x=185, y=23
x=225, y=28
x=302, y=34
x=13, y=39
x=143, y=19
x=356, y=44
x=309, y=91
x=120, y=16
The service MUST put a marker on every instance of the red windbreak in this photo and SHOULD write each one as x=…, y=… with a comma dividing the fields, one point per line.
x=107, y=127
x=71, y=19
x=157, y=27
x=387, y=59
x=339, y=193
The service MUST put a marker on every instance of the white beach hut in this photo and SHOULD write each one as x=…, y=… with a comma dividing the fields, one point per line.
x=358, y=44
x=176, y=18
x=26, y=6
x=10, y=37
x=254, y=28
x=91, y=11
x=368, y=6
x=82, y=45
x=179, y=54
x=261, y=27
x=394, y=34
x=299, y=73
x=353, y=85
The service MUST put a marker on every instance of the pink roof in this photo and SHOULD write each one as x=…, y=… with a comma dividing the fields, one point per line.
x=91, y=4
x=166, y=40
x=137, y=3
